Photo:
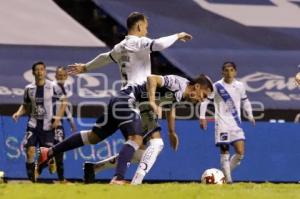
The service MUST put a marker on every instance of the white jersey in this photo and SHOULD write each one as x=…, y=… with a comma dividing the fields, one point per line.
x=133, y=57
x=224, y=119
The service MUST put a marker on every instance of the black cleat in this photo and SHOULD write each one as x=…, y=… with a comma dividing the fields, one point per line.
x=89, y=173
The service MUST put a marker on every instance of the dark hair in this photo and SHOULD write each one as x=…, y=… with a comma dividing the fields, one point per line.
x=230, y=63
x=37, y=63
x=133, y=18
x=202, y=80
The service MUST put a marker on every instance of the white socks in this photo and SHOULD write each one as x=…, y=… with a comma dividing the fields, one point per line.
x=148, y=159
x=229, y=165
x=225, y=166
x=235, y=161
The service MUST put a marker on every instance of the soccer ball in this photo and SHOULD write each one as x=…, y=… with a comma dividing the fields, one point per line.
x=213, y=176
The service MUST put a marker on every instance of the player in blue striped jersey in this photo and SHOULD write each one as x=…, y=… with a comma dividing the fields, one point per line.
x=38, y=104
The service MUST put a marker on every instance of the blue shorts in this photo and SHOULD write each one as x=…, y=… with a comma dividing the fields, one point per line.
x=121, y=114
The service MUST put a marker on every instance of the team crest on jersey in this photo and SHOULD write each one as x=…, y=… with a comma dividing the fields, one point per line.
x=223, y=136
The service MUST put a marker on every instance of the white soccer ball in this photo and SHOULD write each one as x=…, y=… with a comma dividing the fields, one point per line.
x=213, y=176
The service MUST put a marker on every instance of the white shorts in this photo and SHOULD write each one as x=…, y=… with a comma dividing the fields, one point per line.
x=229, y=137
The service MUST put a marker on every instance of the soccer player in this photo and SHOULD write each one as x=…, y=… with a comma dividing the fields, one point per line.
x=123, y=113
x=59, y=134
x=38, y=103
x=228, y=95
x=133, y=57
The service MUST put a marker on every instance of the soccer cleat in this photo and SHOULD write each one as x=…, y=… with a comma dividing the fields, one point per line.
x=43, y=159
x=52, y=166
x=115, y=181
x=89, y=173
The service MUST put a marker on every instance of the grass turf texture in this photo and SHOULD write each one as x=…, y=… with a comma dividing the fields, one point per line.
x=153, y=191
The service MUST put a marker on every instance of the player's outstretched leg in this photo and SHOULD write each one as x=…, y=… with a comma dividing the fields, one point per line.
x=125, y=156
x=148, y=159
x=72, y=142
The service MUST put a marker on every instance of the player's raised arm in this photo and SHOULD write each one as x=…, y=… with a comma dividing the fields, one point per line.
x=165, y=42
x=174, y=141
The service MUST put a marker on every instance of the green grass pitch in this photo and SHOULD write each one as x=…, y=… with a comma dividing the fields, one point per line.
x=151, y=191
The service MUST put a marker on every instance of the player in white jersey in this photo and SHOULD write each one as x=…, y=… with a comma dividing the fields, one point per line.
x=38, y=104
x=228, y=95
x=133, y=57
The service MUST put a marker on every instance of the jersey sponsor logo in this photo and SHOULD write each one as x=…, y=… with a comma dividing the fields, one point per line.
x=265, y=15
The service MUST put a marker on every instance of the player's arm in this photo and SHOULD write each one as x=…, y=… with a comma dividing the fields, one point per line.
x=154, y=82
x=21, y=111
x=23, y=108
x=70, y=119
x=170, y=116
x=203, y=109
x=246, y=105
x=60, y=94
x=60, y=112
x=98, y=62
x=165, y=42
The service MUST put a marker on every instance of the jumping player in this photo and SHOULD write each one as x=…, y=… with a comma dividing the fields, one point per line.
x=133, y=57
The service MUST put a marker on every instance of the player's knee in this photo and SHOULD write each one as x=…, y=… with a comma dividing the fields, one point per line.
x=138, y=155
x=30, y=152
x=137, y=139
x=240, y=152
x=240, y=157
x=89, y=137
x=157, y=143
x=133, y=144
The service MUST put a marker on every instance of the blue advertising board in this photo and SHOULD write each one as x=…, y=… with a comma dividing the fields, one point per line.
x=272, y=153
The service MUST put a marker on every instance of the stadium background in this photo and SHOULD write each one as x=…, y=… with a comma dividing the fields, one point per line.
x=265, y=48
